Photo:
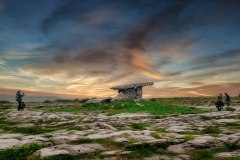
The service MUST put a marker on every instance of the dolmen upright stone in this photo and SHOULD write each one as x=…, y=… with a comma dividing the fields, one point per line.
x=131, y=91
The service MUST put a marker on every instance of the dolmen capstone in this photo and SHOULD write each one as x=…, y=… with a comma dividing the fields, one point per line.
x=131, y=91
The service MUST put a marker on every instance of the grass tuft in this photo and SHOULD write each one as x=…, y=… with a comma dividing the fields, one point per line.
x=139, y=126
x=211, y=130
x=201, y=155
x=188, y=137
x=20, y=153
x=155, y=135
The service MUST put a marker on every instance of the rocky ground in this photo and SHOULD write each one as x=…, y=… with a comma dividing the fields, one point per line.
x=211, y=135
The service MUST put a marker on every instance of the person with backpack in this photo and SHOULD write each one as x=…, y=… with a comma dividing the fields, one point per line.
x=219, y=103
x=227, y=100
x=19, y=100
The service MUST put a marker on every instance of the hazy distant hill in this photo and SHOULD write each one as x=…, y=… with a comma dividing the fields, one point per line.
x=29, y=98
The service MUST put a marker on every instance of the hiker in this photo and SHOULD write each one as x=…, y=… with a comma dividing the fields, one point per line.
x=220, y=97
x=219, y=103
x=227, y=100
x=19, y=100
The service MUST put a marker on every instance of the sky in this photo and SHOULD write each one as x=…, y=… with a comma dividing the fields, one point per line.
x=83, y=48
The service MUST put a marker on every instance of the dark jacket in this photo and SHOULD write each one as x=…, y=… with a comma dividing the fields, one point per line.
x=19, y=97
x=228, y=98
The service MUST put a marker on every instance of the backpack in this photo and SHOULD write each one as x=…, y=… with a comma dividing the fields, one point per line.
x=23, y=105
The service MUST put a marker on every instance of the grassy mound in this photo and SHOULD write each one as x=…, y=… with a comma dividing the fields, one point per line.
x=129, y=106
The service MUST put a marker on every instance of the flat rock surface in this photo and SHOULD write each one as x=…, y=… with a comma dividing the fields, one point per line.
x=228, y=154
x=53, y=151
x=9, y=143
x=114, y=136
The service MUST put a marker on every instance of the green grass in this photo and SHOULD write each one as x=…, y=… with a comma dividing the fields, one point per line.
x=146, y=150
x=191, y=133
x=206, y=117
x=63, y=109
x=188, y=137
x=20, y=153
x=161, y=130
x=139, y=126
x=12, y=127
x=230, y=109
x=201, y=155
x=211, y=130
x=155, y=135
x=104, y=142
x=4, y=102
x=138, y=151
x=209, y=154
x=74, y=157
x=158, y=106
x=232, y=126
x=5, y=125
x=128, y=106
x=32, y=130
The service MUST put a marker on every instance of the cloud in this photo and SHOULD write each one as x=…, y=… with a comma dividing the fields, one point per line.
x=2, y=62
x=89, y=12
x=229, y=54
x=140, y=63
x=88, y=46
x=9, y=91
x=202, y=90
x=131, y=50
x=196, y=83
x=217, y=60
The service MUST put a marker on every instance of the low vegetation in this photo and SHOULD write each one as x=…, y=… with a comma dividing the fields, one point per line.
x=104, y=142
x=211, y=130
x=139, y=126
x=20, y=153
x=205, y=154
x=164, y=115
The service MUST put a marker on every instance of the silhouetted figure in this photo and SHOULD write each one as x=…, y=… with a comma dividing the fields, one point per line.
x=220, y=97
x=21, y=104
x=227, y=100
x=219, y=103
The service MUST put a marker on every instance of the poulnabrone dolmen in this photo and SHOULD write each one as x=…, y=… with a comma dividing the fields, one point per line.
x=131, y=91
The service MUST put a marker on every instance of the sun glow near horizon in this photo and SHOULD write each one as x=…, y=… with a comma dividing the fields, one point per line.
x=82, y=49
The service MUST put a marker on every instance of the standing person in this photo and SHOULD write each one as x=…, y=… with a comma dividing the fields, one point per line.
x=220, y=97
x=228, y=101
x=19, y=99
x=219, y=103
